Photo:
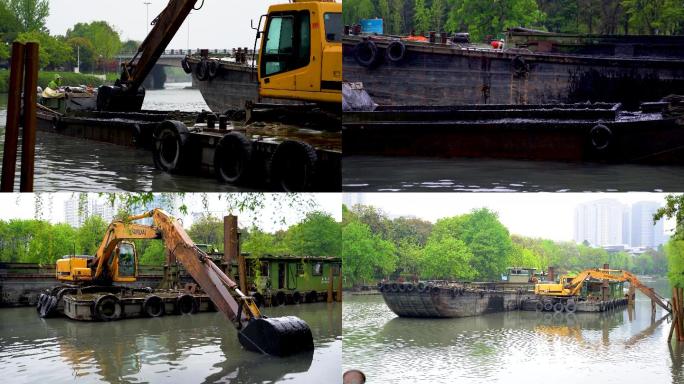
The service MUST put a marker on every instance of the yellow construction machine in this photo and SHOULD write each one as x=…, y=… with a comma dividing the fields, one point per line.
x=116, y=261
x=300, y=54
x=564, y=294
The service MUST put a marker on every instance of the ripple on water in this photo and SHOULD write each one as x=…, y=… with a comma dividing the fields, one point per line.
x=504, y=347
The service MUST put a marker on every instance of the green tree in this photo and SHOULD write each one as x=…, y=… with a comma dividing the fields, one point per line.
x=365, y=255
x=154, y=253
x=54, y=52
x=207, y=230
x=90, y=234
x=4, y=51
x=9, y=23
x=446, y=258
x=490, y=18
x=32, y=14
x=487, y=239
x=422, y=17
x=675, y=262
x=317, y=235
x=105, y=40
x=260, y=243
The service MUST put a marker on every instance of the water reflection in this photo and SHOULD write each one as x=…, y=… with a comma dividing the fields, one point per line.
x=71, y=164
x=393, y=174
x=610, y=347
x=188, y=349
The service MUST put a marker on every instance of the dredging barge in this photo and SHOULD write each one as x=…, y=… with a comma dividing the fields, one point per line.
x=440, y=299
x=529, y=70
x=599, y=132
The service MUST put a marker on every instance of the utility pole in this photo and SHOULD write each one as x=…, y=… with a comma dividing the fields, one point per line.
x=189, y=32
x=147, y=4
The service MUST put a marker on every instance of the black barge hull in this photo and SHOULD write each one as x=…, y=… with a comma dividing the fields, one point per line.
x=572, y=133
x=447, y=74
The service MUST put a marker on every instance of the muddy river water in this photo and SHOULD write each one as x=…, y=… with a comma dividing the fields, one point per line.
x=369, y=173
x=511, y=347
x=201, y=348
x=70, y=164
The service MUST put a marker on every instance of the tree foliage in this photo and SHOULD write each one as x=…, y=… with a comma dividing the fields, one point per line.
x=474, y=246
x=32, y=14
x=317, y=235
x=483, y=18
x=364, y=254
x=54, y=52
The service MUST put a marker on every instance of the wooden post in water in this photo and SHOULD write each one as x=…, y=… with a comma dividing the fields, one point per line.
x=330, y=283
x=242, y=274
x=9, y=161
x=28, y=147
x=230, y=243
x=339, y=285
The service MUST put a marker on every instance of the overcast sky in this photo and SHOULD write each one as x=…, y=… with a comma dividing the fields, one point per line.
x=219, y=24
x=545, y=215
x=22, y=206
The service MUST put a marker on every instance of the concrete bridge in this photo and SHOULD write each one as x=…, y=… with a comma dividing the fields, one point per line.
x=171, y=58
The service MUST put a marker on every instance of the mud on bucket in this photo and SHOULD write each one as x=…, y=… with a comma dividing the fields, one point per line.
x=278, y=336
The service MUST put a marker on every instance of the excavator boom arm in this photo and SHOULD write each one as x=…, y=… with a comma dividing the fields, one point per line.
x=165, y=27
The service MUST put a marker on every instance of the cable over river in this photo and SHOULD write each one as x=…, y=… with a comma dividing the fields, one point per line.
x=200, y=348
x=69, y=164
x=511, y=347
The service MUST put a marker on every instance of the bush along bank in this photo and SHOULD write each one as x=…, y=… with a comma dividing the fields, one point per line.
x=44, y=77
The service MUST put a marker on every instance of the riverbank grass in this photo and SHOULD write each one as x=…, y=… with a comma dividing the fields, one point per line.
x=44, y=77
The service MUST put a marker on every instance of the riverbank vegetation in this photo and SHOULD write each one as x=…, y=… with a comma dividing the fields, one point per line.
x=674, y=209
x=471, y=247
x=93, y=45
x=41, y=242
x=491, y=18
x=44, y=77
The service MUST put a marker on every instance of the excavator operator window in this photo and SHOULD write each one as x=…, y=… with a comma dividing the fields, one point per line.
x=333, y=27
x=126, y=260
x=288, y=43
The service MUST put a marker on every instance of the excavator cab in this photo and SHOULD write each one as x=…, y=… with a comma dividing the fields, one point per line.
x=123, y=265
x=301, y=52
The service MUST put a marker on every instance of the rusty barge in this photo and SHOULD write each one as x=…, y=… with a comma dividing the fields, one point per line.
x=447, y=300
x=530, y=69
x=598, y=132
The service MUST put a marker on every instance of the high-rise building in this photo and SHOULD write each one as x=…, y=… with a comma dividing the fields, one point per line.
x=643, y=231
x=75, y=215
x=600, y=222
x=352, y=199
x=606, y=222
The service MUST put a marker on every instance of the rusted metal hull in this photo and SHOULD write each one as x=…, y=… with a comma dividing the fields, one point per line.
x=443, y=301
x=457, y=300
x=232, y=86
x=543, y=132
x=440, y=74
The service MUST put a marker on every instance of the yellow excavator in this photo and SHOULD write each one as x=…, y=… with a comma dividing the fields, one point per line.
x=116, y=261
x=564, y=294
x=300, y=54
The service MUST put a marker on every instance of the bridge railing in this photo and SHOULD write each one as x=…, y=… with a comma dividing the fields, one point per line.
x=183, y=52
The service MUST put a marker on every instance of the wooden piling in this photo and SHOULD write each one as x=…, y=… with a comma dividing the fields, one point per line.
x=28, y=147
x=339, y=285
x=9, y=161
x=330, y=284
x=242, y=273
x=230, y=243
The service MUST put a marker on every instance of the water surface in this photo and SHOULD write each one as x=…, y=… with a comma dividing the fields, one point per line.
x=374, y=173
x=70, y=164
x=510, y=347
x=201, y=348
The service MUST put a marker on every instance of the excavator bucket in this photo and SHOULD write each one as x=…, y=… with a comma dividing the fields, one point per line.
x=278, y=336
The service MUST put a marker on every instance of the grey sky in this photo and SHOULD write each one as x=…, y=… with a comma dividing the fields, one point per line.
x=22, y=206
x=546, y=215
x=219, y=24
